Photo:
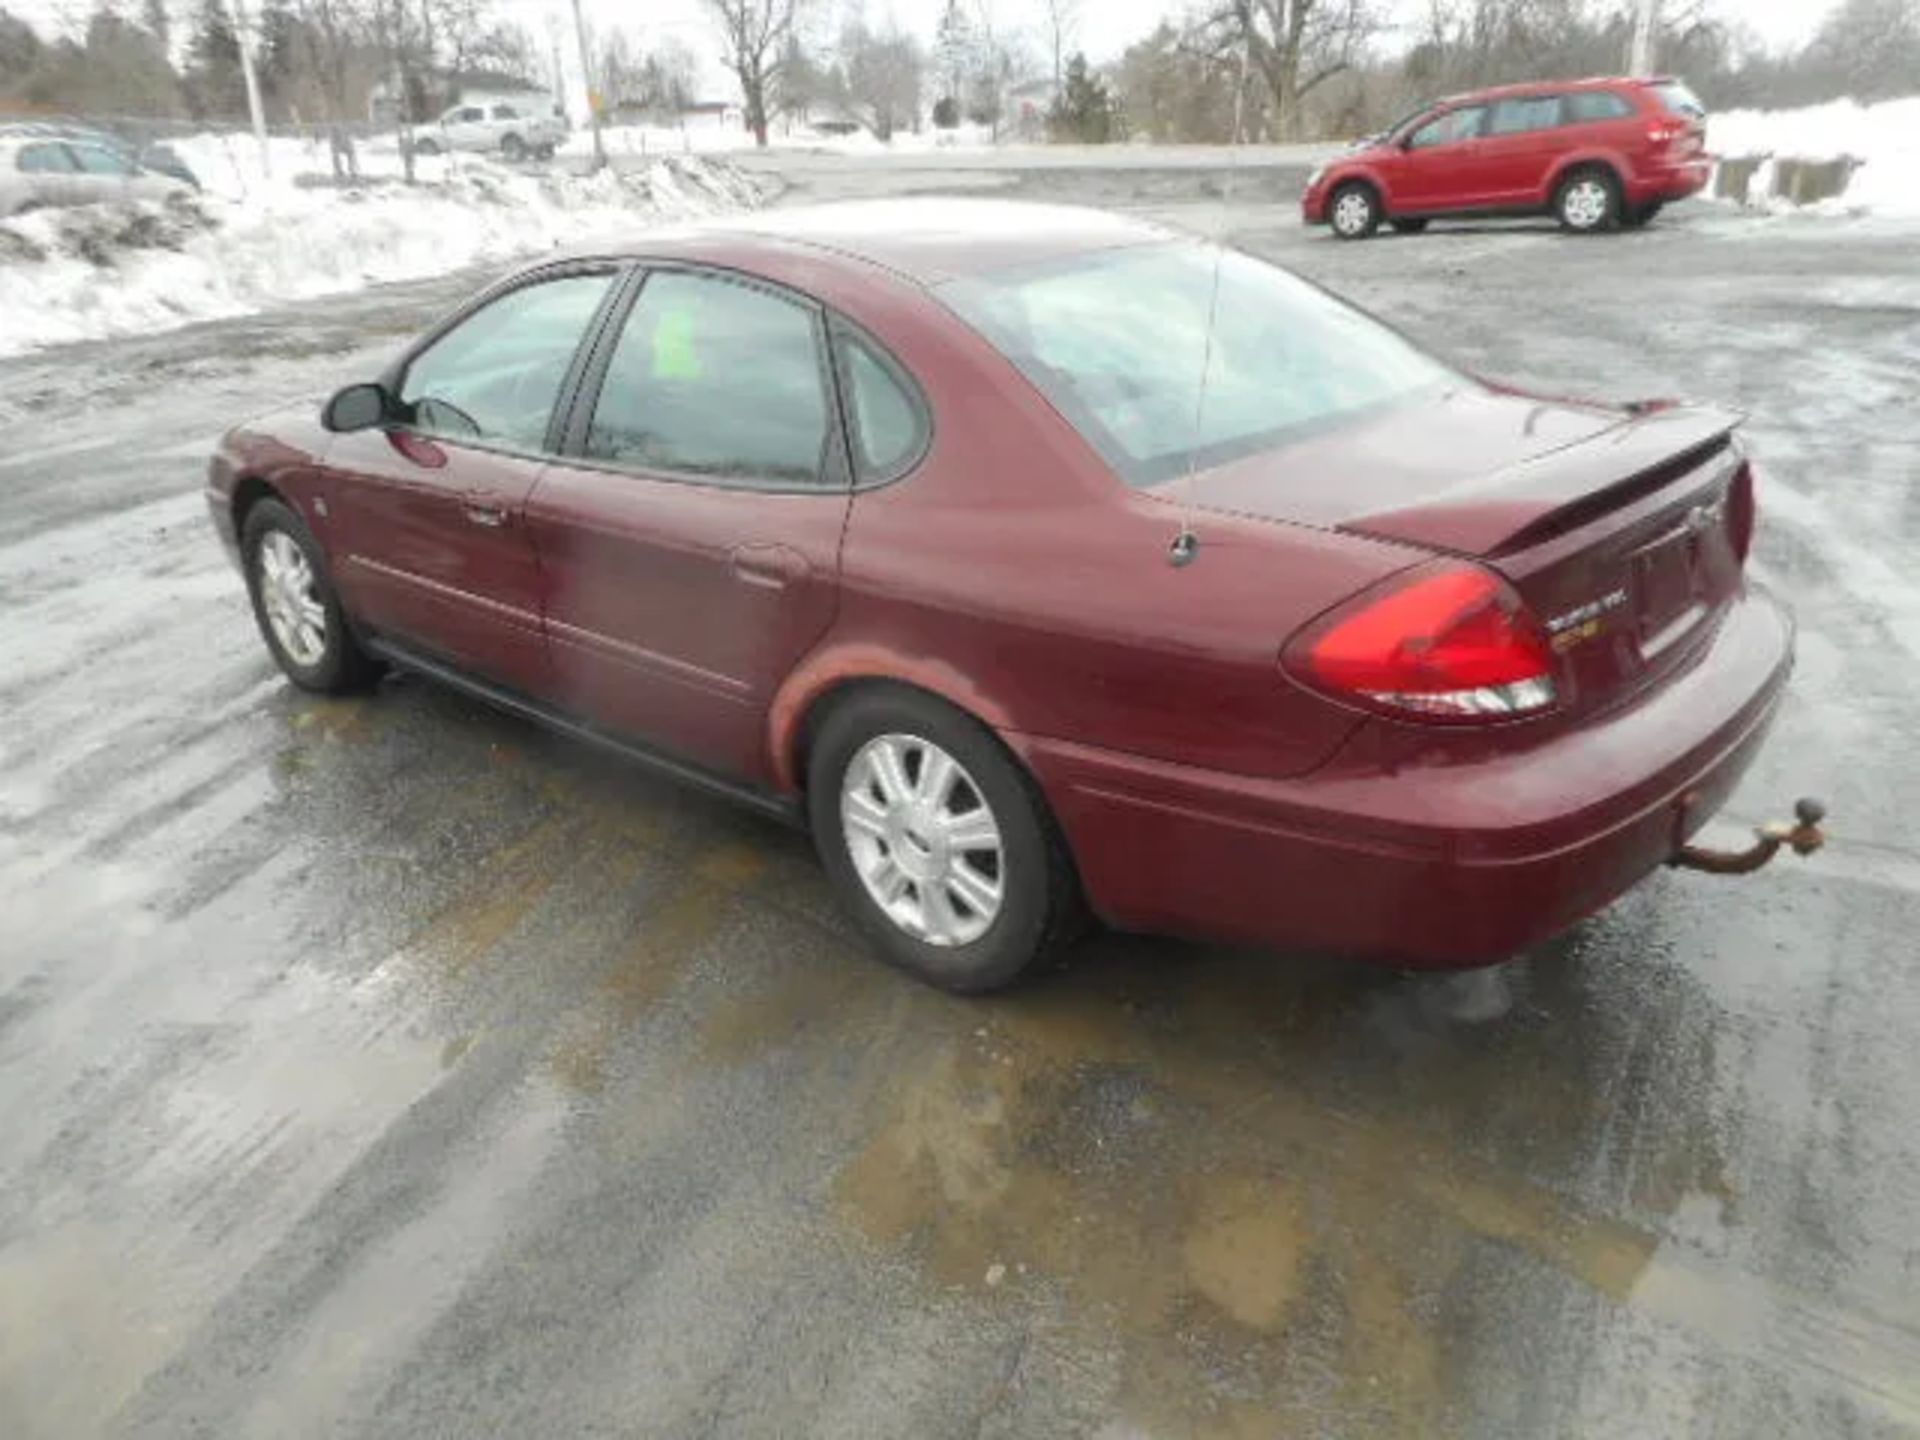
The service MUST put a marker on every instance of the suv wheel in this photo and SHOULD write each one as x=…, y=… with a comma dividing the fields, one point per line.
x=1353, y=211
x=1588, y=202
x=938, y=841
x=512, y=147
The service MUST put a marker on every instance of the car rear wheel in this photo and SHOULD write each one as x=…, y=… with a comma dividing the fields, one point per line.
x=1588, y=201
x=938, y=841
x=513, y=148
x=543, y=152
x=1354, y=212
x=295, y=606
x=1412, y=226
x=428, y=146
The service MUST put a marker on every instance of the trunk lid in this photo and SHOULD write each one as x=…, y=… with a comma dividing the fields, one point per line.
x=1624, y=529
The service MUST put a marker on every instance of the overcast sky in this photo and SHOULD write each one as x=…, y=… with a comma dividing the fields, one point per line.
x=1106, y=27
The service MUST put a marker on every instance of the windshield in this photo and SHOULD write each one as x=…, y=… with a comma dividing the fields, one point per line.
x=1675, y=95
x=1117, y=341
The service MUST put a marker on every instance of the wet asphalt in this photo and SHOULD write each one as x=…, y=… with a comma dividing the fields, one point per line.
x=388, y=1067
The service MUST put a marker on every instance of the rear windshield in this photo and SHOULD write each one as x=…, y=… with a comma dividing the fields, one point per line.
x=1679, y=99
x=1118, y=341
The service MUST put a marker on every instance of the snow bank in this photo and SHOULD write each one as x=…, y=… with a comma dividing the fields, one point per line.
x=256, y=239
x=715, y=140
x=1885, y=137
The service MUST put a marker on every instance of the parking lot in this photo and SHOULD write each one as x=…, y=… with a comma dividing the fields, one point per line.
x=389, y=1067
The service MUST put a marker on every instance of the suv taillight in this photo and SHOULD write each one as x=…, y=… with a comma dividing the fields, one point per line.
x=1447, y=641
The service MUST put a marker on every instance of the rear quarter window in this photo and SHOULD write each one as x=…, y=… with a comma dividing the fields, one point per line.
x=1679, y=100
x=1584, y=107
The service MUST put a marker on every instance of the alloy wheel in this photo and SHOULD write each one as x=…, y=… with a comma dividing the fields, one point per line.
x=923, y=839
x=1352, y=213
x=1586, y=203
x=291, y=597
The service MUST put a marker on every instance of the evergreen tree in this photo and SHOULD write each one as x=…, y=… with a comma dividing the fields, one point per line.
x=1084, y=110
x=214, y=85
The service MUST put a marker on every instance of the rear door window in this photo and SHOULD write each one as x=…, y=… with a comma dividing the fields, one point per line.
x=96, y=160
x=1585, y=107
x=1517, y=117
x=713, y=377
x=1450, y=128
x=495, y=376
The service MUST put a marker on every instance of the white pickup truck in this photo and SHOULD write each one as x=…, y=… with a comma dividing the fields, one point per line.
x=514, y=129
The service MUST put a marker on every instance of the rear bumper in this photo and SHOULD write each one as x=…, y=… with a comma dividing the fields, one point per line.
x=1452, y=861
x=1671, y=182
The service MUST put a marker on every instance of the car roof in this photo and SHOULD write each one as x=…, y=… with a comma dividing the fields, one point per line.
x=1534, y=87
x=929, y=240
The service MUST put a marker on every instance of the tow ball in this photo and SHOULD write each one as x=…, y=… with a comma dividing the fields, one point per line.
x=1804, y=836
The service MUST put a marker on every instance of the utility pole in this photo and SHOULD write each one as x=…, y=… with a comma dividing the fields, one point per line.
x=243, y=34
x=1645, y=24
x=586, y=81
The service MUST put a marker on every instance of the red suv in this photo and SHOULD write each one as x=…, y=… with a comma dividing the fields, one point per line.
x=1594, y=153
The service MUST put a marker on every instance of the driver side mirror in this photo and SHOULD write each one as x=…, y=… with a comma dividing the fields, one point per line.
x=358, y=407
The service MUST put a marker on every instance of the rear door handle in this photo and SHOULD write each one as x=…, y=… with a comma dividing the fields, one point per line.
x=772, y=567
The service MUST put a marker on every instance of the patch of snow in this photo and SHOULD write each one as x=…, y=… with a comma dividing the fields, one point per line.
x=255, y=239
x=1884, y=137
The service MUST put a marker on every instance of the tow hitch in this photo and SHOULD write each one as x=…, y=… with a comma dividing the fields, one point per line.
x=1804, y=837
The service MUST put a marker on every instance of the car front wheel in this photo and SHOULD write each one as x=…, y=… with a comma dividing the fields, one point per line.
x=938, y=841
x=1588, y=202
x=513, y=148
x=295, y=606
x=1353, y=212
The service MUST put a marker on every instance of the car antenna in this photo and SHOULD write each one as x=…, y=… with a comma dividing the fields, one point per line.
x=1186, y=544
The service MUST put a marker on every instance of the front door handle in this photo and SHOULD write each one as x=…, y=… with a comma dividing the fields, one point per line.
x=483, y=510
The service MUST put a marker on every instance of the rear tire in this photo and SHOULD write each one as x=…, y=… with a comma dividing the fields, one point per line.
x=1354, y=211
x=295, y=606
x=1588, y=201
x=939, y=843
x=513, y=148
x=1413, y=225
x=428, y=146
x=543, y=152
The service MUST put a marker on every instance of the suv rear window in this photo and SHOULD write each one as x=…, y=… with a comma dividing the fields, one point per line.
x=1679, y=99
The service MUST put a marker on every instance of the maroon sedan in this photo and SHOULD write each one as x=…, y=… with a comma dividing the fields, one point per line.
x=1040, y=559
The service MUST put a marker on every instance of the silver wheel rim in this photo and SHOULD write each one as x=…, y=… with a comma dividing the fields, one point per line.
x=291, y=598
x=1586, y=204
x=923, y=839
x=1351, y=213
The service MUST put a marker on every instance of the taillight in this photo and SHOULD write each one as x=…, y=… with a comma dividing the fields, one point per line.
x=1742, y=510
x=1448, y=641
x=1661, y=132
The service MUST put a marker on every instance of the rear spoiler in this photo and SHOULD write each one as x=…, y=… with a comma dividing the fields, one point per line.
x=1523, y=504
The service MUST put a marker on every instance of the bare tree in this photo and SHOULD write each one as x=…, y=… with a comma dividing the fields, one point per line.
x=755, y=33
x=1294, y=46
x=884, y=71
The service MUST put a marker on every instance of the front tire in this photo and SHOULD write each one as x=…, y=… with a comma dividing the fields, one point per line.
x=295, y=606
x=1354, y=211
x=513, y=148
x=938, y=842
x=1588, y=202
